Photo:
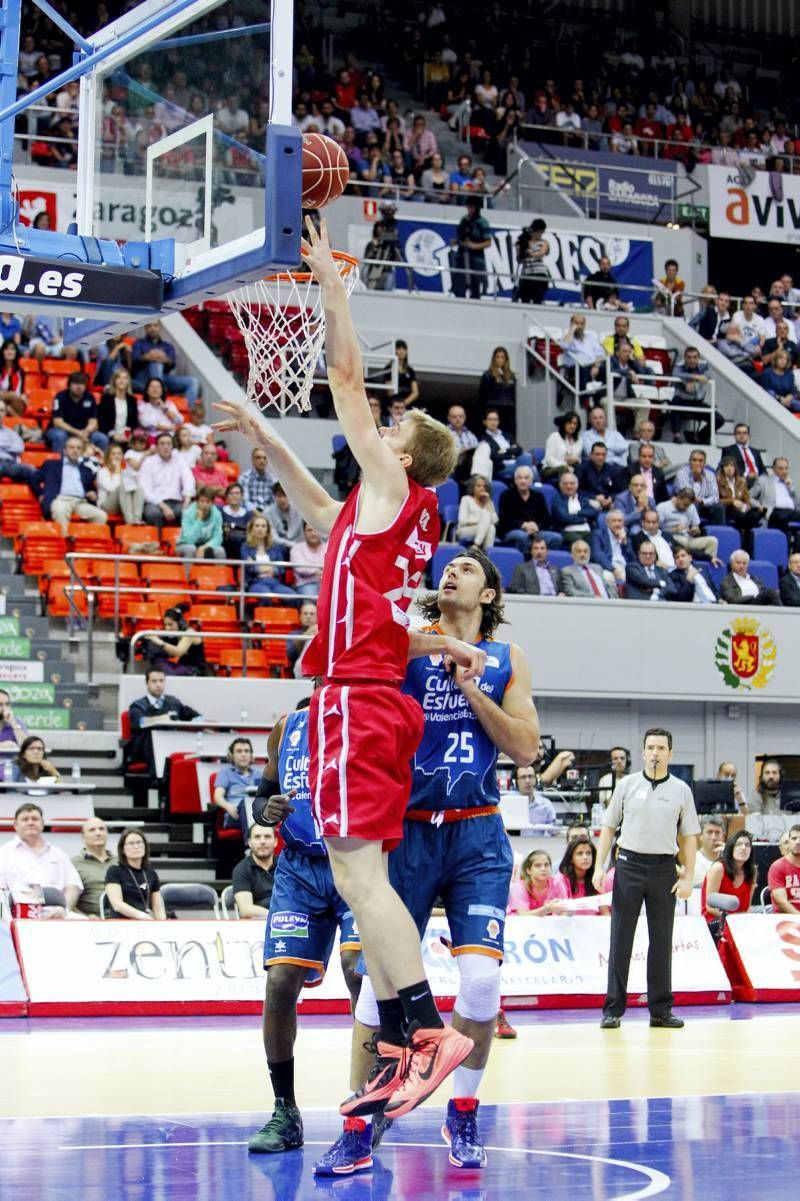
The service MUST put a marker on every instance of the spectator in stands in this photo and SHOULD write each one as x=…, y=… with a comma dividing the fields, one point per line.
x=91, y=863
x=258, y=483
x=209, y=474
x=611, y=546
x=767, y=797
x=728, y=771
x=201, y=528
x=663, y=543
x=577, y=868
x=691, y=390
x=775, y=491
x=620, y=760
x=599, y=479
x=197, y=425
x=778, y=380
x=705, y=590
x=261, y=552
x=634, y=503
x=286, y=522
x=30, y=763
x=253, y=878
x=522, y=512
x=155, y=708
x=709, y=847
x=67, y=488
x=13, y=730
x=537, y=577
x=407, y=386
x=397, y=410
x=117, y=412
x=731, y=345
x=584, y=355
x=645, y=581
x=673, y=285
x=473, y=238
x=645, y=466
x=598, y=431
x=75, y=412
x=232, y=784
x=573, y=515
x=307, y=558
x=698, y=476
x=467, y=442
x=734, y=874
x=29, y=860
x=584, y=578
x=461, y=178
x=156, y=414
x=307, y=626
x=420, y=146
x=541, y=810
x=597, y=286
x=739, y=587
x=498, y=390
x=186, y=448
x=111, y=355
x=114, y=490
x=735, y=499
x=11, y=447
x=154, y=358
x=749, y=462
x=563, y=448
x=775, y=313
x=533, y=273
x=705, y=322
x=782, y=340
x=679, y=518
x=235, y=518
x=537, y=892
x=435, y=182
x=790, y=582
x=750, y=324
x=496, y=454
x=133, y=889
x=784, y=877
x=183, y=653
x=612, y=342
x=167, y=484
x=477, y=517
x=12, y=377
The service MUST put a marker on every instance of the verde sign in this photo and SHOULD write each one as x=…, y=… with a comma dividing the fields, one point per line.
x=15, y=648
x=9, y=626
x=44, y=719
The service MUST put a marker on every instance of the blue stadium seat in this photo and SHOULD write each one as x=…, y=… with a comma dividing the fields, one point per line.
x=538, y=454
x=449, y=515
x=549, y=492
x=765, y=570
x=441, y=557
x=498, y=488
x=559, y=558
x=728, y=538
x=717, y=573
x=505, y=560
x=525, y=459
x=771, y=545
x=338, y=441
x=448, y=494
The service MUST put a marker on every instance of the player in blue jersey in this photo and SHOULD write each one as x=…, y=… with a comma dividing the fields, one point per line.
x=304, y=913
x=454, y=843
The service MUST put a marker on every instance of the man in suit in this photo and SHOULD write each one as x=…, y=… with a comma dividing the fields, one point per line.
x=522, y=512
x=537, y=577
x=584, y=578
x=697, y=574
x=663, y=544
x=67, y=488
x=646, y=432
x=572, y=514
x=645, y=581
x=790, y=582
x=155, y=708
x=611, y=546
x=652, y=475
x=774, y=491
x=600, y=479
x=748, y=460
x=738, y=587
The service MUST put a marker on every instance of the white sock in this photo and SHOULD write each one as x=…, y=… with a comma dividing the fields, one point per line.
x=467, y=1081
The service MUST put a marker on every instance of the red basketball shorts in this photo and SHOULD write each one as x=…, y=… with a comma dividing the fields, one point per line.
x=361, y=739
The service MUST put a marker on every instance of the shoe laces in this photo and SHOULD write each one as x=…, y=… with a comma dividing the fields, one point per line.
x=416, y=1047
x=467, y=1125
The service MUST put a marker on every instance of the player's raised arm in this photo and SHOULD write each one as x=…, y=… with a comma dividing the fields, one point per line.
x=383, y=472
x=307, y=495
x=513, y=726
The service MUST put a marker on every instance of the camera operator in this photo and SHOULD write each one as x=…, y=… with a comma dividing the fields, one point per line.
x=468, y=258
x=384, y=248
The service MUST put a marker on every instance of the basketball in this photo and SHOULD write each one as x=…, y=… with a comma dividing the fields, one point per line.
x=326, y=170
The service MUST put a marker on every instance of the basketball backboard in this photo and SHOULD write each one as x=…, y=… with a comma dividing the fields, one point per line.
x=185, y=124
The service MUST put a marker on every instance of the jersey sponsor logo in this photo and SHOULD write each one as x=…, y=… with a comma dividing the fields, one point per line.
x=334, y=711
x=288, y=924
x=331, y=765
x=280, y=947
x=493, y=928
x=425, y=519
x=294, y=738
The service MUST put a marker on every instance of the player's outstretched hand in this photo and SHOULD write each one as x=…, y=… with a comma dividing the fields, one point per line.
x=467, y=661
x=316, y=252
x=247, y=421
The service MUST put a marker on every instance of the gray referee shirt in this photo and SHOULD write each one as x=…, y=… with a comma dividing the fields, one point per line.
x=651, y=815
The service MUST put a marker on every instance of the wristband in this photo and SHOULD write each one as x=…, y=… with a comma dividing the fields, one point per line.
x=266, y=789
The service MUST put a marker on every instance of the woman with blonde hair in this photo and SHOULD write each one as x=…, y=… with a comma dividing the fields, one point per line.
x=477, y=516
x=498, y=389
x=260, y=553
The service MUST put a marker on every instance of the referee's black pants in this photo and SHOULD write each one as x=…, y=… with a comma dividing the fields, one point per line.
x=638, y=878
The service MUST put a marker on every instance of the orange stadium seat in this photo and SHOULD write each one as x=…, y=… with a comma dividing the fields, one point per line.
x=280, y=620
x=128, y=534
x=231, y=663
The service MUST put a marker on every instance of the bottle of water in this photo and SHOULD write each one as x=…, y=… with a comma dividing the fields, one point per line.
x=8, y=771
x=597, y=815
x=76, y=770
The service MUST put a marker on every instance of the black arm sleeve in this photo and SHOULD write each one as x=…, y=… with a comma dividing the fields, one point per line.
x=266, y=789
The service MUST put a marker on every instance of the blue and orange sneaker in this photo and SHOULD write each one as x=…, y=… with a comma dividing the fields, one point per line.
x=460, y=1132
x=352, y=1151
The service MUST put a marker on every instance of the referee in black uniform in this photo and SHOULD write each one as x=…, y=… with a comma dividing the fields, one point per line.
x=651, y=809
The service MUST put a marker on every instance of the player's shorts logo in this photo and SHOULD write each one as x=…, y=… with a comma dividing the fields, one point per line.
x=493, y=928
x=280, y=947
x=287, y=924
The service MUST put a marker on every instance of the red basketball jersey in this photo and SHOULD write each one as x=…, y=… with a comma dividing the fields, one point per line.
x=367, y=585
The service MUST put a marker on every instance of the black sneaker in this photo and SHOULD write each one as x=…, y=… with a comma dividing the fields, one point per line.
x=283, y=1132
x=380, y=1125
x=670, y=1022
x=609, y=1022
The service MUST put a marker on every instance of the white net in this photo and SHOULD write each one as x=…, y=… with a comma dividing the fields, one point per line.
x=283, y=325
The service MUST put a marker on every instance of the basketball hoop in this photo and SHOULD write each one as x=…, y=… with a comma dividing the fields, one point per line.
x=282, y=320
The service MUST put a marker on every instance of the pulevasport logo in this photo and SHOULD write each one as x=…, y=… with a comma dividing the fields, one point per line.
x=51, y=283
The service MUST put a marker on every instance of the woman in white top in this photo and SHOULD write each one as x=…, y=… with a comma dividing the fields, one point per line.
x=486, y=92
x=186, y=447
x=477, y=516
x=562, y=450
x=117, y=491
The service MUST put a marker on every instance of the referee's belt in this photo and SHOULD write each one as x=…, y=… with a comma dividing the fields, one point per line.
x=439, y=817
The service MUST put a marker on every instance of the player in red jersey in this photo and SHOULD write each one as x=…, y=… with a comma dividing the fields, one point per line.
x=362, y=729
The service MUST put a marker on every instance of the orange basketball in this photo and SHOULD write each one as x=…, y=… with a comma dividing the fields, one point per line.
x=326, y=170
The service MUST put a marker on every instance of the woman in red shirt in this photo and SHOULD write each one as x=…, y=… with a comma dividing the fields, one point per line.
x=734, y=875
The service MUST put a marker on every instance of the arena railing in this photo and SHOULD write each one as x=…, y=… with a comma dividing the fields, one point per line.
x=240, y=636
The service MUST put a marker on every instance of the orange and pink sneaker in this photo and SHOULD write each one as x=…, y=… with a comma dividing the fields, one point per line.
x=386, y=1076
x=431, y=1055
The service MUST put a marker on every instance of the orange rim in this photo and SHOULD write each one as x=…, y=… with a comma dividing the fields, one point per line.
x=346, y=262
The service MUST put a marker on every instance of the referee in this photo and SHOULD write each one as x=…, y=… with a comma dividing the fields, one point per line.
x=651, y=808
